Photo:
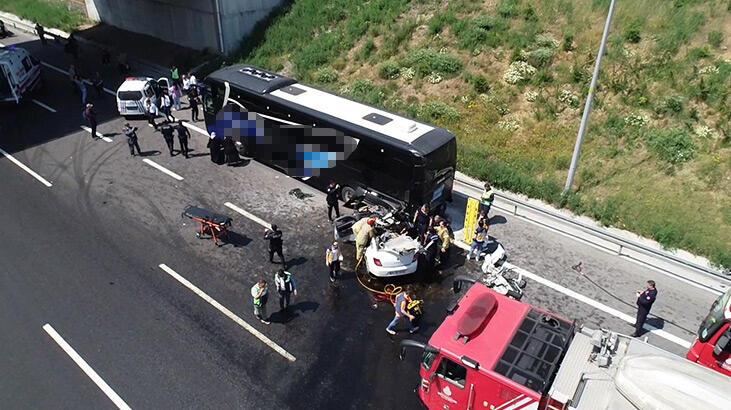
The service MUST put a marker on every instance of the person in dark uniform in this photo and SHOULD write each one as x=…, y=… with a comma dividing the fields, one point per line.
x=333, y=193
x=183, y=136
x=41, y=31
x=131, y=134
x=274, y=236
x=90, y=116
x=422, y=220
x=216, y=148
x=645, y=299
x=230, y=151
x=194, y=102
x=168, y=134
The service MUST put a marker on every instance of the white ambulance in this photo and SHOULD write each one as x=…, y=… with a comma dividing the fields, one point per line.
x=133, y=92
x=20, y=74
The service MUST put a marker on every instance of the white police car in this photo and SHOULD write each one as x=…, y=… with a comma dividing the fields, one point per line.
x=133, y=92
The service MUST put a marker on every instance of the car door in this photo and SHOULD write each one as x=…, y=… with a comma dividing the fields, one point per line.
x=450, y=388
x=163, y=83
x=717, y=352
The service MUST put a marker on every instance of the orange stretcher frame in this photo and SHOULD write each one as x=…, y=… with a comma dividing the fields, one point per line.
x=211, y=225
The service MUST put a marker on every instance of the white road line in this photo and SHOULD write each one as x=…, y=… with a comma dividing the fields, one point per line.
x=196, y=128
x=22, y=166
x=249, y=215
x=228, y=313
x=589, y=301
x=114, y=397
x=43, y=105
x=163, y=169
x=87, y=129
x=64, y=72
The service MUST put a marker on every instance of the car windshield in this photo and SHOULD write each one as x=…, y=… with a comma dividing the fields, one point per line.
x=130, y=95
x=715, y=319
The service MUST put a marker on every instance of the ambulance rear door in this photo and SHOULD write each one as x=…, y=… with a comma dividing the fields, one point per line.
x=8, y=84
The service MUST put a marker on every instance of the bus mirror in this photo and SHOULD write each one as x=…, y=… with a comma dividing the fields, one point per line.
x=723, y=344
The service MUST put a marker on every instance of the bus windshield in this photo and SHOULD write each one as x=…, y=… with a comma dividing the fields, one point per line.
x=715, y=318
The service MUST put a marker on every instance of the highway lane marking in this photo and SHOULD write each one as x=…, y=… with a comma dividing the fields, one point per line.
x=43, y=105
x=195, y=128
x=591, y=302
x=249, y=215
x=66, y=73
x=228, y=313
x=163, y=169
x=22, y=166
x=94, y=376
x=87, y=129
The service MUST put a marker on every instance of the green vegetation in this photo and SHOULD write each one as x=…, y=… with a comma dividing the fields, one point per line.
x=49, y=13
x=509, y=77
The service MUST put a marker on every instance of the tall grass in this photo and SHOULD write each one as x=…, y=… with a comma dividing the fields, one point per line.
x=49, y=13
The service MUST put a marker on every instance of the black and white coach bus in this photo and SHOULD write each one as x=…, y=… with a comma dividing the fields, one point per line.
x=395, y=156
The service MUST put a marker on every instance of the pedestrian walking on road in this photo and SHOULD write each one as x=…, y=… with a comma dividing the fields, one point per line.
x=123, y=64
x=333, y=193
x=168, y=134
x=260, y=296
x=131, y=134
x=194, y=102
x=151, y=112
x=176, y=94
x=166, y=105
x=175, y=75
x=274, y=236
x=41, y=34
x=286, y=286
x=645, y=299
x=183, y=137
x=90, y=116
x=72, y=47
x=401, y=311
x=98, y=84
x=486, y=199
x=333, y=257
x=478, y=241
x=216, y=147
x=83, y=90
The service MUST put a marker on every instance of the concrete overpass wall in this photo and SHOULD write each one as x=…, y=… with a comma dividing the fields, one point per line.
x=190, y=23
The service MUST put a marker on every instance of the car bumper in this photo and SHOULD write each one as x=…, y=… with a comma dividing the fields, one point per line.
x=390, y=271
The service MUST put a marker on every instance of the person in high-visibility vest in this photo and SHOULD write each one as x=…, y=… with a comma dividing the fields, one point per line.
x=486, y=199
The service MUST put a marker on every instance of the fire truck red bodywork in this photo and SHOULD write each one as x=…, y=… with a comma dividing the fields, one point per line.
x=712, y=346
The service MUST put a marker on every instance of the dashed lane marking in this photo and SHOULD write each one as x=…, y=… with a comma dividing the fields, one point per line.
x=162, y=169
x=43, y=105
x=228, y=313
x=87, y=129
x=249, y=215
x=591, y=302
x=195, y=128
x=94, y=376
x=22, y=166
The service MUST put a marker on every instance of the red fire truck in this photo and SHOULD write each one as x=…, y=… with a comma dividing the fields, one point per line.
x=712, y=346
x=496, y=353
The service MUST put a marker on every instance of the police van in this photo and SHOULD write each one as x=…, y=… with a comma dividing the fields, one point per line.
x=134, y=91
x=20, y=74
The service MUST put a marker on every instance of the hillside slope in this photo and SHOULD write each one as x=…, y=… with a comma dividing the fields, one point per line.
x=509, y=77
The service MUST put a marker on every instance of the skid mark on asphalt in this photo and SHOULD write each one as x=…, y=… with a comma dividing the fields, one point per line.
x=228, y=313
x=93, y=375
x=25, y=168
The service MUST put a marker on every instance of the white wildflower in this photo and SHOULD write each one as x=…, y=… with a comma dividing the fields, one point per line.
x=464, y=99
x=508, y=125
x=705, y=131
x=568, y=98
x=711, y=69
x=434, y=78
x=407, y=73
x=518, y=71
x=531, y=96
x=636, y=120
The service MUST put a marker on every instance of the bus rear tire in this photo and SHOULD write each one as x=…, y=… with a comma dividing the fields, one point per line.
x=347, y=193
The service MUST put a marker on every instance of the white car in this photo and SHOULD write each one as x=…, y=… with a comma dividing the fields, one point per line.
x=133, y=92
x=391, y=254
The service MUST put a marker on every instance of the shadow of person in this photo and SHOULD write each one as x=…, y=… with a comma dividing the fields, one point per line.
x=497, y=220
x=283, y=316
x=304, y=306
x=657, y=322
x=296, y=261
x=153, y=153
x=199, y=154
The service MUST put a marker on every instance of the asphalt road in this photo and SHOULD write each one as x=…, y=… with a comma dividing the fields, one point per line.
x=84, y=256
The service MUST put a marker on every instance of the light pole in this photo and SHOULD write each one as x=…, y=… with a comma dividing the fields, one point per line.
x=589, y=102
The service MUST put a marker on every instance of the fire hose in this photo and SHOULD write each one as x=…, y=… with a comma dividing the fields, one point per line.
x=389, y=291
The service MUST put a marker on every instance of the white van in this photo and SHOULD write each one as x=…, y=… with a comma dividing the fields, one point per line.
x=20, y=73
x=133, y=92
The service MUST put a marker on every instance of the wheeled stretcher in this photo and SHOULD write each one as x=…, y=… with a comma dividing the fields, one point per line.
x=212, y=225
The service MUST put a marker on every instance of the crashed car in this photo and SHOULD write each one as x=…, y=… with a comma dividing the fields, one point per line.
x=391, y=254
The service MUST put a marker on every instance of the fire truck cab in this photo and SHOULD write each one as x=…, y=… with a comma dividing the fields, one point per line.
x=712, y=346
x=496, y=353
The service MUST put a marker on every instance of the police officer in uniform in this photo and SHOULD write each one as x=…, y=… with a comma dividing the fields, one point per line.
x=167, y=133
x=645, y=299
x=333, y=192
x=274, y=236
x=131, y=134
x=183, y=136
x=285, y=287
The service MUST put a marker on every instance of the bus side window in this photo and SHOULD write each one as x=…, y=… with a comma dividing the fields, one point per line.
x=452, y=372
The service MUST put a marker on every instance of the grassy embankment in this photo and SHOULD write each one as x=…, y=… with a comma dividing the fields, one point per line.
x=509, y=78
x=49, y=13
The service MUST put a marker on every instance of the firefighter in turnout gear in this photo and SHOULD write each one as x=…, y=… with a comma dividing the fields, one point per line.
x=364, y=231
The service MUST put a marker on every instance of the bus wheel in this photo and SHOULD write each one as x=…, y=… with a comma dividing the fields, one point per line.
x=347, y=193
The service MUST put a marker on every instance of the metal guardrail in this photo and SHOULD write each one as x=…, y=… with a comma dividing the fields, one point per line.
x=621, y=243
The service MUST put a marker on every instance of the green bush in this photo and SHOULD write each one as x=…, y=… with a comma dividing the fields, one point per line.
x=541, y=57
x=672, y=105
x=482, y=30
x=673, y=146
x=326, y=75
x=699, y=53
x=479, y=84
x=49, y=13
x=389, y=70
x=439, y=21
x=632, y=34
x=366, y=92
x=426, y=61
x=438, y=111
x=529, y=14
x=367, y=50
x=568, y=42
x=509, y=8
x=715, y=38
